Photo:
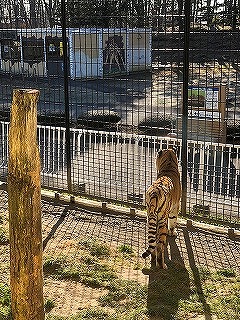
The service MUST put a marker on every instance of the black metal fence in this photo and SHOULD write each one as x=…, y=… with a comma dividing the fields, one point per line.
x=118, y=81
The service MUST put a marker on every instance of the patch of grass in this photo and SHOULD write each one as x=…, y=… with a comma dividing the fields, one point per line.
x=95, y=275
x=49, y=305
x=125, y=248
x=88, y=270
x=228, y=273
x=87, y=314
x=204, y=273
x=175, y=293
x=96, y=248
x=137, y=266
x=218, y=292
x=93, y=313
x=54, y=265
x=3, y=236
x=124, y=295
x=222, y=294
x=5, y=302
x=166, y=289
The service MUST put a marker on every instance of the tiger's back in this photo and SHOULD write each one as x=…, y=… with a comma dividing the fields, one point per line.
x=162, y=200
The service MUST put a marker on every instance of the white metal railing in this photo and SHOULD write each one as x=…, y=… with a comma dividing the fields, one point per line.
x=119, y=166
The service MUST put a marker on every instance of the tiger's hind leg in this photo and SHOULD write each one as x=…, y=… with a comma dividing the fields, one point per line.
x=172, y=221
x=160, y=259
x=153, y=259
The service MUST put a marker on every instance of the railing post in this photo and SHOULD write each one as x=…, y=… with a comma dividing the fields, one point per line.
x=24, y=203
x=187, y=12
x=66, y=94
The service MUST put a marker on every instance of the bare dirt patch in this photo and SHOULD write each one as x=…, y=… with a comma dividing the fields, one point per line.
x=69, y=297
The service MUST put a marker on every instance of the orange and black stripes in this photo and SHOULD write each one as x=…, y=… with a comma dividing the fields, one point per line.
x=162, y=200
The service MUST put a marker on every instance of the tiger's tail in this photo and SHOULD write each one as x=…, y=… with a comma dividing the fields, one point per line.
x=152, y=226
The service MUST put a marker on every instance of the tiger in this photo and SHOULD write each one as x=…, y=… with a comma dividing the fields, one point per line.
x=162, y=201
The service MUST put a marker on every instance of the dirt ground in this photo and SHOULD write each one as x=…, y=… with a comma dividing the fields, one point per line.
x=64, y=225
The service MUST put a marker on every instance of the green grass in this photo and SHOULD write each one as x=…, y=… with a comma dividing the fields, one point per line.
x=3, y=236
x=176, y=293
x=172, y=294
x=124, y=248
x=218, y=295
x=96, y=248
x=49, y=305
x=87, y=314
x=228, y=273
x=89, y=270
x=5, y=302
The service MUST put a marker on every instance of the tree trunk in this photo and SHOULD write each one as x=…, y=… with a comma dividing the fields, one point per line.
x=24, y=192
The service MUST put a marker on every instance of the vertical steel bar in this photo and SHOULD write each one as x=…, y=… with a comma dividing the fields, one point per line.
x=66, y=94
x=187, y=7
x=59, y=148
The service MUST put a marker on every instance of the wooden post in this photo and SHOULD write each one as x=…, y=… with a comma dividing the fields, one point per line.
x=24, y=196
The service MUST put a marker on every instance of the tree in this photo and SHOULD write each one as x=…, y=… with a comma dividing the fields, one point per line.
x=108, y=13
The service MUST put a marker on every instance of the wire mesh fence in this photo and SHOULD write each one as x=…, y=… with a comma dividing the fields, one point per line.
x=93, y=268
x=118, y=81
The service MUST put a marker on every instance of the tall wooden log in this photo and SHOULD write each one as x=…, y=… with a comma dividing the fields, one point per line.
x=24, y=195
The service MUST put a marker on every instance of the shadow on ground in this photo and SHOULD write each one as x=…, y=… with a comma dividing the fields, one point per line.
x=167, y=288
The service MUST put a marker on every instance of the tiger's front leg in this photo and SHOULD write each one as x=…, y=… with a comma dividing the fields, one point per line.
x=172, y=221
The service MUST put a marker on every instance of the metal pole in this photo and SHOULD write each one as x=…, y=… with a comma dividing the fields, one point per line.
x=66, y=94
x=187, y=12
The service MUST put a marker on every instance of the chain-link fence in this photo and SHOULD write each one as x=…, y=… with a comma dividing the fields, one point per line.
x=118, y=81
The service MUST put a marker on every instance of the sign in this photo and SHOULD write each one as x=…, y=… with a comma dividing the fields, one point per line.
x=203, y=114
x=206, y=113
x=206, y=99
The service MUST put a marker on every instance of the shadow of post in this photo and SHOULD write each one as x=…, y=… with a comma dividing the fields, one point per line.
x=167, y=287
x=196, y=275
x=55, y=227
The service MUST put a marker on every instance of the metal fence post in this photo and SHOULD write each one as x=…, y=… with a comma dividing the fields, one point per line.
x=66, y=94
x=187, y=12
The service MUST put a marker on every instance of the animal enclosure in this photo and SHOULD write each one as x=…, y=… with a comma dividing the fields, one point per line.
x=116, y=87
x=119, y=81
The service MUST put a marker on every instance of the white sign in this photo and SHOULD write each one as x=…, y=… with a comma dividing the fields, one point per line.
x=211, y=98
x=204, y=114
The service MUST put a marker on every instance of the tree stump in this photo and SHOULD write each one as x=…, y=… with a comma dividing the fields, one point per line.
x=24, y=196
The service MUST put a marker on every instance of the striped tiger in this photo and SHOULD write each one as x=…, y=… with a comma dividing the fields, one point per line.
x=163, y=200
